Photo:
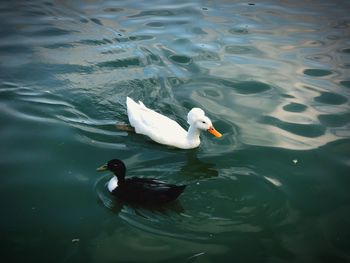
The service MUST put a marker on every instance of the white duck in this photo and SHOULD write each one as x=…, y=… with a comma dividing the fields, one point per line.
x=166, y=131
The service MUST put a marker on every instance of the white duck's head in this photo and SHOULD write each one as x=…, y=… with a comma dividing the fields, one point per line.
x=196, y=117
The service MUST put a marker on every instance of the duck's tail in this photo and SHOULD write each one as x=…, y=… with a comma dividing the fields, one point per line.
x=175, y=191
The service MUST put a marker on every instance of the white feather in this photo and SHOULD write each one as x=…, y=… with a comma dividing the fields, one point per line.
x=113, y=184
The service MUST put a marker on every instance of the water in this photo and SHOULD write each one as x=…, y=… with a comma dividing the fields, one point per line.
x=274, y=78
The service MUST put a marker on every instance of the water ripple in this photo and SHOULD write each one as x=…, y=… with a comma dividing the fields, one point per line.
x=132, y=46
x=202, y=220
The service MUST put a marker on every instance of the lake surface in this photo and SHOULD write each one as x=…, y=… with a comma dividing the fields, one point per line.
x=273, y=76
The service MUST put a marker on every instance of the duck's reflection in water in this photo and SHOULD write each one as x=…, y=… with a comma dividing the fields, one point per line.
x=196, y=169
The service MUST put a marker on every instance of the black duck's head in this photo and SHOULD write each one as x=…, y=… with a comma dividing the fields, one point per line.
x=116, y=166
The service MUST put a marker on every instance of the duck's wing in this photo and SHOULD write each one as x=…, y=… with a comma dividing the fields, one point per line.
x=148, y=184
x=153, y=124
x=153, y=191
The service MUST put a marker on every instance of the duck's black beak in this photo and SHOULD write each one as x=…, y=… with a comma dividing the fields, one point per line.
x=102, y=168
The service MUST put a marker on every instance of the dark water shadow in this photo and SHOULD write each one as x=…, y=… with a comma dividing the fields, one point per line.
x=196, y=169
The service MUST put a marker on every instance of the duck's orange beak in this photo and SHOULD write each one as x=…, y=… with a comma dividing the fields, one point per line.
x=214, y=132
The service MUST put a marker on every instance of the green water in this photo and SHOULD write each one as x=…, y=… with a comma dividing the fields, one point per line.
x=273, y=76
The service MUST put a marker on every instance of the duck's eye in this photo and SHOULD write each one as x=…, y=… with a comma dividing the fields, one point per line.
x=203, y=122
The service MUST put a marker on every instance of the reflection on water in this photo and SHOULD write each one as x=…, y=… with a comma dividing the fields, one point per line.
x=273, y=76
x=136, y=52
x=195, y=169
